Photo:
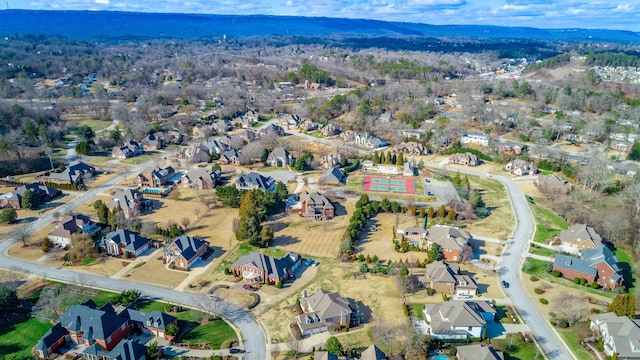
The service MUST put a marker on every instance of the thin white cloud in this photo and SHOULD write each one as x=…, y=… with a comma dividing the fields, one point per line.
x=103, y=2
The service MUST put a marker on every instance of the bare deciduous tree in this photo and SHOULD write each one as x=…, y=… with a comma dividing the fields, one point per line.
x=571, y=308
x=185, y=223
x=22, y=234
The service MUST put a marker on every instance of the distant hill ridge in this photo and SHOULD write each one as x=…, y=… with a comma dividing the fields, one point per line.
x=115, y=25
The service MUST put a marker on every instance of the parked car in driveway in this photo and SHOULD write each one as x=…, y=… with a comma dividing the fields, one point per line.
x=235, y=351
x=249, y=287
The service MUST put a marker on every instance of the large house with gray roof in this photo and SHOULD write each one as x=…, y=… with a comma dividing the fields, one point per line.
x=129, y=201
x=255, y=181
x=185, y=251
x=446, y=278
x=14, y=198
x=619, y=334
x=478, y=352
x=373, y=353
x=594, y=264
x=280, y=157
x=72, y=225
x=577, y=238
x=453, y=242
x=333, y=176
x=459, y=319
x=125, y=242
x=155, y=176
x=73, y=174
x=310, y=204
x=102, y=333
x=324, y=309
x=258, y=268
x=200, y=178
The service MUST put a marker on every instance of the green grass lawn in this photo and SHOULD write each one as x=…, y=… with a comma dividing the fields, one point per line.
x=626, y=263
x=416, y=310
x=573, y=336
x=516, y=349
x=140, y=158
x=186, y=315
x=548, y=224
x=538, y=268
x=95, y=125
x=214, y=333
x=17, y=339
x=541, y=251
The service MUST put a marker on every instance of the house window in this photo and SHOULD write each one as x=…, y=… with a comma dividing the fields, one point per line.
x=470, y=328
x=123, y=326
x=109, y=339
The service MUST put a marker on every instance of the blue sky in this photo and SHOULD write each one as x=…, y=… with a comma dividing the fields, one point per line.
x=602, y=14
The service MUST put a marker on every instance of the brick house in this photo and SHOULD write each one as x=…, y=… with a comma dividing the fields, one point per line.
x=324, y=309
x=185, y=251
x=153, y=142
x=128, y=201
x=200, y=178
x=468, y=159
x=102, y=333
x=552, y=184
x=280, y=157
x=521, y=168
x=459, y=319
x=129, y=149
x=452, y=241
x=333, y=176
x=73, y=174
x=14, y=199
x=594, y=264
x=445, y=278
x=155, y=176
x=230, y=157
x=259, y=268
x=310, y=204
x=255, y=181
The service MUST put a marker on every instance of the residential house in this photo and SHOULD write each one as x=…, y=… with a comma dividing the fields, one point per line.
x=594, y=264
x=203, y=131
x=71, y=225
x=155, y=176
x=223, y=126
x=200, y=178
x=411, y=147
x=126, y=243
x=128, y=201
x=310, y=204
x=280, y=157
x=478, y=352
x=330, y=130
x=452, y=241
x=272, y=130
x=415, y=235
x=373, y=353
x=552, y=184
x=445, y=278
x=247, y=120
x=468, y=159
x=73, y=174
x=333, y=176
x=619, y=334
x=521, y=168
x=291, y=121
x=348, y=136
x=255, y=181
x=103, y=333
x=170, y=137
x=245, y=137
x=308, y=125
x=216, y=146
x=185, y=251
x=622, y=146
x=331, y=160
x=42, y=193
x=459, y=319
x=577, y=238
x=324, y=309
x=152, y=142
x=413, y=134
x=230, y=157
x=370, y=141
x=386, y=118
x=474, y=138
x=509, y=149
x=259, y=268
x=197, y=153
x=129, y=149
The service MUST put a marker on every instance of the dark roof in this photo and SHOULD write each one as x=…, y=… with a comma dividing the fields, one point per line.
x=187, y=246
x=599, y=254
x=125, y=350
x=255, y=181
x=277, y=268
x=154, y=319
x=97, y=324
x=130, y=239
x=54, y=334
x=39, y=189
x=575, y=264
x=335, y=174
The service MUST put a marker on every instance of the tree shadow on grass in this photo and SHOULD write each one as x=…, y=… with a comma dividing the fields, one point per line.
x=10, y=348
x=285, y=240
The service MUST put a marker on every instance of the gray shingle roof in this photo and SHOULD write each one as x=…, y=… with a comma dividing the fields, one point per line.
x=132, y=241
x=255, y=181
x=154, y=319
x=575, y=264
x=373, y=353
x=124, y=350
x=97, y=324
x=335, y=174
x=273, y=267
x=479, y=352
x=187, y=246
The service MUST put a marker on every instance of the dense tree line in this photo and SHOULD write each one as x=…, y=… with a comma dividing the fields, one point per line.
x=612, y=59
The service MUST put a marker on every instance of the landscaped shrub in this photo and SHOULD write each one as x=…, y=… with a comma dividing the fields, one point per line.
x=556, y=273
x=544, y=301
x=538, y=291
x=583, y=281
x=279, y=285
x=534, y=278
x=594, y=285
x=576, y=281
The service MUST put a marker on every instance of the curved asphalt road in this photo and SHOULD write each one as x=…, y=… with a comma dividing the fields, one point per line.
x=252, y=333
x=512, y=258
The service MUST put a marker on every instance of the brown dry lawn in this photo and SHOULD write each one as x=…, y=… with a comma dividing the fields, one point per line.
x=87, y=208
x=500, y=223
x=380, y=241
x=154, y=271
x=313, y=238
x=237, y=297
x=106, y=266
x=379, y=297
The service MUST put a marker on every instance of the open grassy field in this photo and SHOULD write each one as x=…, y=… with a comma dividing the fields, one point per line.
x=548, y=224
x=500, y=223
x=313, y=238
x=17, y=339
x=155, y=272
x=95, y=125
x=378, y=297
x=214, y=333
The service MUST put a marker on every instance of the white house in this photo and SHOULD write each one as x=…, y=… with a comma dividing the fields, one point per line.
x=475, y=138
x=459, y=319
